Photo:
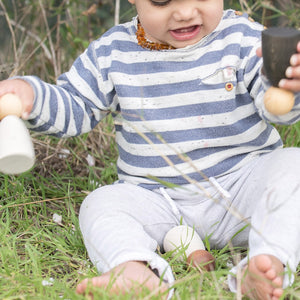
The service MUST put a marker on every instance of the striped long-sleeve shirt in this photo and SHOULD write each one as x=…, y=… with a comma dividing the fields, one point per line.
x=179, y=114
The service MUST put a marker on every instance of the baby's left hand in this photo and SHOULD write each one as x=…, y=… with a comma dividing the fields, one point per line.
x=292, y=72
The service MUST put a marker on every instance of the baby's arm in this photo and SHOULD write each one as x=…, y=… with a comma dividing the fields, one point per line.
x=23, y=90
x=79, y=100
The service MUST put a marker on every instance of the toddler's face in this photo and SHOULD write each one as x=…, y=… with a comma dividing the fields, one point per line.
x=179, y=23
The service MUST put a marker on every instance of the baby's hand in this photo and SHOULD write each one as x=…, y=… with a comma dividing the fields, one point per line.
x=292, y=72
x=23, y=90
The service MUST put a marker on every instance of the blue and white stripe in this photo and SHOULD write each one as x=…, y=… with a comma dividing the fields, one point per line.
x=175, y=120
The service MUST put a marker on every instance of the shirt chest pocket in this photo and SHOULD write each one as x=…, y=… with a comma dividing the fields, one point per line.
x=222, y=83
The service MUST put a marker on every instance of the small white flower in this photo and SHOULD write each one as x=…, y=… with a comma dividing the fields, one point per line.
x=57, y=219
x=94, y=183
x=48, y=282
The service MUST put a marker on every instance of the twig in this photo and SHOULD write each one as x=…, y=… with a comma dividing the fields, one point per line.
x=32, y=35
x=117, y=12
x=239, y=278
x=50, y=39
x=245, y=7
x=20, y=66
x=41, y=201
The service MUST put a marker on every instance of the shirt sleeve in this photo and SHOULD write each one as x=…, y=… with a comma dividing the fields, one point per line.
x=77, y=102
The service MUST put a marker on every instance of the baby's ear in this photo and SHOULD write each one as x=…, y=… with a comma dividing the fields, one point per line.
x=131, y=1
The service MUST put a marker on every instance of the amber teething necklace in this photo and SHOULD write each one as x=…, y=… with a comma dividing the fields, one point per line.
x=143, y=42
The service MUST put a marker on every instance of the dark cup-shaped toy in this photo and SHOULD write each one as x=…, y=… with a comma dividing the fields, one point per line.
x=278, y=45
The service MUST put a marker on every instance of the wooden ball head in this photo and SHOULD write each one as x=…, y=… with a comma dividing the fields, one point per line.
x=279, y=101
x=202, y=260
x=278, y=45
x=10, y=104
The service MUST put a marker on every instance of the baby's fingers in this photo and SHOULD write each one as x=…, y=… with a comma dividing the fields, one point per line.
x=294, y=70
x=290, y=84
x=21, y=89
x=292, y=73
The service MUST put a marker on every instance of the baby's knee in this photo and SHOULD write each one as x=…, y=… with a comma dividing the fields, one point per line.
x=282, y=168
x=287, y=159
x=101, y=200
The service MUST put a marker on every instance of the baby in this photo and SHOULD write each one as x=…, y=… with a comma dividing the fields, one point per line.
x=183, y=81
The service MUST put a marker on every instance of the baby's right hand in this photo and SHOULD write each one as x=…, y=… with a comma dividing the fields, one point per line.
x=23, y=90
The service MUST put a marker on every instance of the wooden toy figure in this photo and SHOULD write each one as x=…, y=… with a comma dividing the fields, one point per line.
x=16, y=148
x=278, y=45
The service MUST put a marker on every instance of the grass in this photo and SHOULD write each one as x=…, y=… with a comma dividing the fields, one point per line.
x=33, y=247
x=39, y=258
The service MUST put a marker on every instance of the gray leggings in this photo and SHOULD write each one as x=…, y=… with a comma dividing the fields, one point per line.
x=123, y=222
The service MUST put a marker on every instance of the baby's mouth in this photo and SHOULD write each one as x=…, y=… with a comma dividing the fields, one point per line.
x=185, y=33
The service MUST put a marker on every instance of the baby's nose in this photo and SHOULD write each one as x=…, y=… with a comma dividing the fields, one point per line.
x=185, y=12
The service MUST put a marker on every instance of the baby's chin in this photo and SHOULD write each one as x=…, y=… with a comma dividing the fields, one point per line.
x=184, y=44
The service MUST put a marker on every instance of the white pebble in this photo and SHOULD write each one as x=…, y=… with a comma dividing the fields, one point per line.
x=90, y=160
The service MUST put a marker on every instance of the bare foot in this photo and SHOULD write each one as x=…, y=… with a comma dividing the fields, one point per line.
x=263, y=278
x=125, y=278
